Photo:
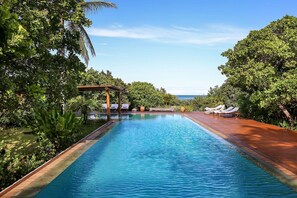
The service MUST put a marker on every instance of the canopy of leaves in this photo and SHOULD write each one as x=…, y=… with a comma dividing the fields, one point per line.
x=144, y=94
x=264, y=66
x=169, y=99
x=38, y=54
x=94, y=77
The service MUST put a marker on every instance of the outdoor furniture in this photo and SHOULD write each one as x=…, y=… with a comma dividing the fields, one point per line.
x=125, y=107
x=91, y=117
x=215, y=108
x=171, y=109
x=231, y=113
x=114, y=107
x=222, y=111
x=104, y=107
x=211, y=110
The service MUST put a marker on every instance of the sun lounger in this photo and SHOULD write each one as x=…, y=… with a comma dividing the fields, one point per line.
x=125, y=107
x=104, y=107
x=114, y=107
x=215, y=108
x=171, y=109
x=91, y=117
x=211, y=110
x=230, y=113
x=222, y=111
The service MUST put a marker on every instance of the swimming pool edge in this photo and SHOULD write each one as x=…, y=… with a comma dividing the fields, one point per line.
x=283, y=174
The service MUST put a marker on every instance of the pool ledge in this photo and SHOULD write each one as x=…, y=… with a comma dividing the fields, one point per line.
x=263, y=160
x=33, y=182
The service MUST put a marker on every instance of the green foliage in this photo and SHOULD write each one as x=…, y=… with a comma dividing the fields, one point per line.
x=94, y=77
x=39, y=55
x=144, y=94
x=80, y=103
x=21, y=151
x=85, y=43
x=225, y=94
x=60, y=129
x=15, y=163
x=169, y=99
x=264, y=67
x=14, y=39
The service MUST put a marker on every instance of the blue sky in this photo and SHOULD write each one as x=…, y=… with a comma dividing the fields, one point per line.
x=175, y=44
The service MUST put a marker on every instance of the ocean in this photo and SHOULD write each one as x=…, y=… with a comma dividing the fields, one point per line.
x=186, y=97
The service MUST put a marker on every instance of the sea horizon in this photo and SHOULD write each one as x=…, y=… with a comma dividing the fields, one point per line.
x=187, y=96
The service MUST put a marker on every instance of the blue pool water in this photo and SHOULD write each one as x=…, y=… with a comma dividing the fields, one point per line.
x=163, y=156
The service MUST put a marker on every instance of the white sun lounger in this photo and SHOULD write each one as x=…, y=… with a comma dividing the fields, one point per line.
x=125, y=107
x=211, y=110
x=114, y=107
x=230, y=113
x=222, y=111
x=104, y=107
x=215, y=108
x=170, y=109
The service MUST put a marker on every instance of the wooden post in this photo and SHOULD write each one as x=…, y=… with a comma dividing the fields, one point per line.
x=119, y=102
x=107, y=103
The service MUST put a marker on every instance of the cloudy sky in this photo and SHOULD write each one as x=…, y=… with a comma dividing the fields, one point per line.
x=176, y=44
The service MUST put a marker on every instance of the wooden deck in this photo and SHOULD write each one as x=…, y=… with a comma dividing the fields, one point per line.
x=274, y=146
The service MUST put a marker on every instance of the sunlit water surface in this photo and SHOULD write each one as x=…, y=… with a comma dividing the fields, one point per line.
x=163, y=156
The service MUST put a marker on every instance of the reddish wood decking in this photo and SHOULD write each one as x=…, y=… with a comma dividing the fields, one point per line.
x=271, y=144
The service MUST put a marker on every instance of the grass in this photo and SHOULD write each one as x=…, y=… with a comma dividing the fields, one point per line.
x=23, y=140
x=18, y=139
x=91, y=126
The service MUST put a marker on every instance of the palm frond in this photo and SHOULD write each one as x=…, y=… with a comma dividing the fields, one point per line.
x=87, y=40
x=83, y=41
x=83, y=50
x=94, y=5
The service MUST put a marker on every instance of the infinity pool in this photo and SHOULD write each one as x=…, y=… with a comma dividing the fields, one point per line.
x=163, y=156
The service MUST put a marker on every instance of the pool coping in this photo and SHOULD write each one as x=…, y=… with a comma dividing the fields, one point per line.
x=33, y=182
x=283, y=174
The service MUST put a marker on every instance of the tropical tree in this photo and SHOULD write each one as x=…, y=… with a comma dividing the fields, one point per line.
x=168, y=98
x=144, y=94
x=80, y=103
x=30, y=63
x=85, y=43
x=264, y=67
x=94, y=77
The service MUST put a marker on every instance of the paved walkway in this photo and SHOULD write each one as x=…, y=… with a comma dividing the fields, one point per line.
x=275, y=146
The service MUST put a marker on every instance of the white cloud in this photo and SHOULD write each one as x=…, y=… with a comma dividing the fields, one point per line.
x=208, y=35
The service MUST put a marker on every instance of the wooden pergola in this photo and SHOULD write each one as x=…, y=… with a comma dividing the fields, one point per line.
x=107, y=89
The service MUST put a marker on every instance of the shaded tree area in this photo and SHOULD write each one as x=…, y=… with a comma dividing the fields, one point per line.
x=33, y=70
x=40, y=46
x=264, y=67
x=86, y=102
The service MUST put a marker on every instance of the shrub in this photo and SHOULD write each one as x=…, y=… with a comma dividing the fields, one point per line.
x=60, y=129
x=144, y=94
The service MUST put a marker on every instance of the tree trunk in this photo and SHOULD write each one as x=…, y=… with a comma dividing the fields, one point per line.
x=288, y=115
